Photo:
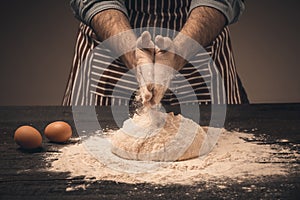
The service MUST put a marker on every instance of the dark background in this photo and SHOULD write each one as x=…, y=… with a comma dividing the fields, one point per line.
x=38, y=37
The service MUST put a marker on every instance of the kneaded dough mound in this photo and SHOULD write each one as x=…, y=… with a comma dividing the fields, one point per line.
x=157, y=136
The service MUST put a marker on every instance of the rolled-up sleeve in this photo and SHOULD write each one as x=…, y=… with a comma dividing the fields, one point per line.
x=232, y=9
x=85, y=10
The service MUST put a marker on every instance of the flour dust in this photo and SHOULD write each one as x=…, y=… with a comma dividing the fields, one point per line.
x=236, y=155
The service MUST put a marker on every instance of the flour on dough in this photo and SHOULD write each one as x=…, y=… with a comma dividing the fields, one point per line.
x=158, y=136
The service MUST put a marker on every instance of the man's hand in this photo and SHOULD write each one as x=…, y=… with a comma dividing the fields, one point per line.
x=166, y=53
x=202, y=26
x=144, y=70
x=156, y=66
x=167, y=62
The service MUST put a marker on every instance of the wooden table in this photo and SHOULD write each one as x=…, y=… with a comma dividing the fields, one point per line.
x=20, y=177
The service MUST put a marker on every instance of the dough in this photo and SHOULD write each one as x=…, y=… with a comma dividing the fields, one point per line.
x=157, y=136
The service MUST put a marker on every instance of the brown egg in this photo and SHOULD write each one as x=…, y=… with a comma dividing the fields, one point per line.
x=58, y=131
x=28, y=137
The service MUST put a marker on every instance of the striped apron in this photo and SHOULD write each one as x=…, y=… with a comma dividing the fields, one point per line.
x=95, y=83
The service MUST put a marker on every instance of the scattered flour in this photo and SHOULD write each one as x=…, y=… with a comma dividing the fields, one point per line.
x=236, y=156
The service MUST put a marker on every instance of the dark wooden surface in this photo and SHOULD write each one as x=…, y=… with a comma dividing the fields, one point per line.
x=21, y=178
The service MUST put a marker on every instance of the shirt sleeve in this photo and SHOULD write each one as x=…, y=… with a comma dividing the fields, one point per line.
x=85, y=10
x=232, y=9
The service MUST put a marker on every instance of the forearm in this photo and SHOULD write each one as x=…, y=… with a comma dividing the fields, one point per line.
x=111, y=22
x=204, y=24
x=202, y=27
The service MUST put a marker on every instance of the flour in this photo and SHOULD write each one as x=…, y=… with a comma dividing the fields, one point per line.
x=158, y=136
x=233, y=157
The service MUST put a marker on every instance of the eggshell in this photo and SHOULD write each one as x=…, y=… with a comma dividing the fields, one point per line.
x=58, y=131
x=28, y=137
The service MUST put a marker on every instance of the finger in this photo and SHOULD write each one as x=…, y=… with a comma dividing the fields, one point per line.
x=163, y=43
x=146, y=38
x=144, y=41
x=145, y=95
x=158, y=94
x=150, y=87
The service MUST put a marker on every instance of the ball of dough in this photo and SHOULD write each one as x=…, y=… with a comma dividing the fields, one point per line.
x=157, y=136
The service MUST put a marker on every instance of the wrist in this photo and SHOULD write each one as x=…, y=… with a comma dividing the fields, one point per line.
x=185, y=46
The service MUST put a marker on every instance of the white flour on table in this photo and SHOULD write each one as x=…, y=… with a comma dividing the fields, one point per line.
x=233, y=157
